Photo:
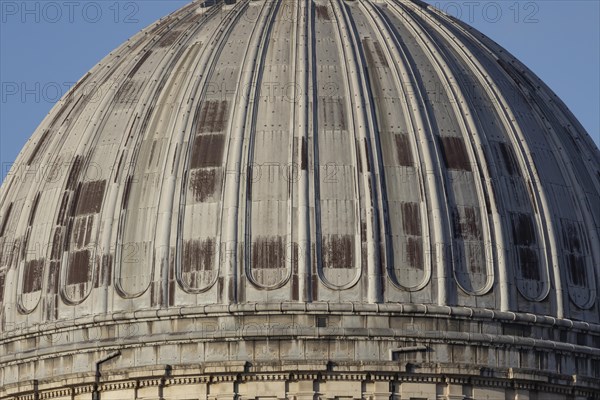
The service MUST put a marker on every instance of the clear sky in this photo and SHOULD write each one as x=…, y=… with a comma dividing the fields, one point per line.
x=46, y=46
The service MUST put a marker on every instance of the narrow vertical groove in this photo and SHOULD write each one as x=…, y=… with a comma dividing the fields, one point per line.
x=300, y=126
x=315, y=249
x=362, y=125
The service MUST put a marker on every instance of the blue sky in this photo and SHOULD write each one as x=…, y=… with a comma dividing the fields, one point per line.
x=46, y=46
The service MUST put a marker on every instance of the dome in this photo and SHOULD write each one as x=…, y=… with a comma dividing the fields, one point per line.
x=267, y=199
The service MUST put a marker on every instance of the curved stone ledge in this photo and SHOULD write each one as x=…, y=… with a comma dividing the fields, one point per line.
x=475, y=314
x=238, y=378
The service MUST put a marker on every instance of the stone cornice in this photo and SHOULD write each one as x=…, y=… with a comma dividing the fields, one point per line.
x=217, y=310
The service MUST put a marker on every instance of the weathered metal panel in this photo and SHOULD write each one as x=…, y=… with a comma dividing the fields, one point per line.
x=339, y=253
x=32, y=276
x=472, y=248
x=199, y=244
x=198, y=263
x=271, y=173
x=577, y=262
x=91, y=197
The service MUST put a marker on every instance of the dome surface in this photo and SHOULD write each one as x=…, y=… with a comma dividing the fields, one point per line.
x=373, y=172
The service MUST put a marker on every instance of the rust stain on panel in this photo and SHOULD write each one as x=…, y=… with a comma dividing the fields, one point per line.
x=304, y=155
x=79, y=270
x=91, y=197
x=368, y=161
x=169, y=38
x=294, y=287
x=78, y=85
x=10, y=252
x=171, y=294
x=510, y=162
x=380, y=55
x=332, y=113
x=53, y=276
x=126, y=192
x=338, y=251
x=128, y=92
x=118, y=170
x=368, y=54
x=155, y=294
x=207, y=151
x=5, y=219
x=474, y=258
x=414, y=253
x=151, y=157
x=322, y=13
x=37, y=147
x=57, y=242
x=32, y=275
x=575, y=252
x=403, y=151
x=212, y=116
x=203, y=183
x=268, y=253
x=532, y=197
x=467, y=224
x=528, y=263
x=571, y=237
x=82, y=230
x=231, y=291
x=374, y=53
x=220, y=288
x=455, y=153
x=139, y=64
x=89, y=229
x=363, y=231
x=107, y=263
x=64, y=108
x=51, y=300
x=174, y=158
x=34, y=207
x=62, y=212
x=576, y=268
x=2, y=283
x=523, y=229
x=74, y=173
x=69, y=231
x=78, y=232
x=104, y=273
x=358, y=157
x=411, y=219
x=198, y=255
x=24, y=245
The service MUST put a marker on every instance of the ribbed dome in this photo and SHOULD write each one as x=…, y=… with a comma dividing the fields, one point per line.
x=264, y=153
